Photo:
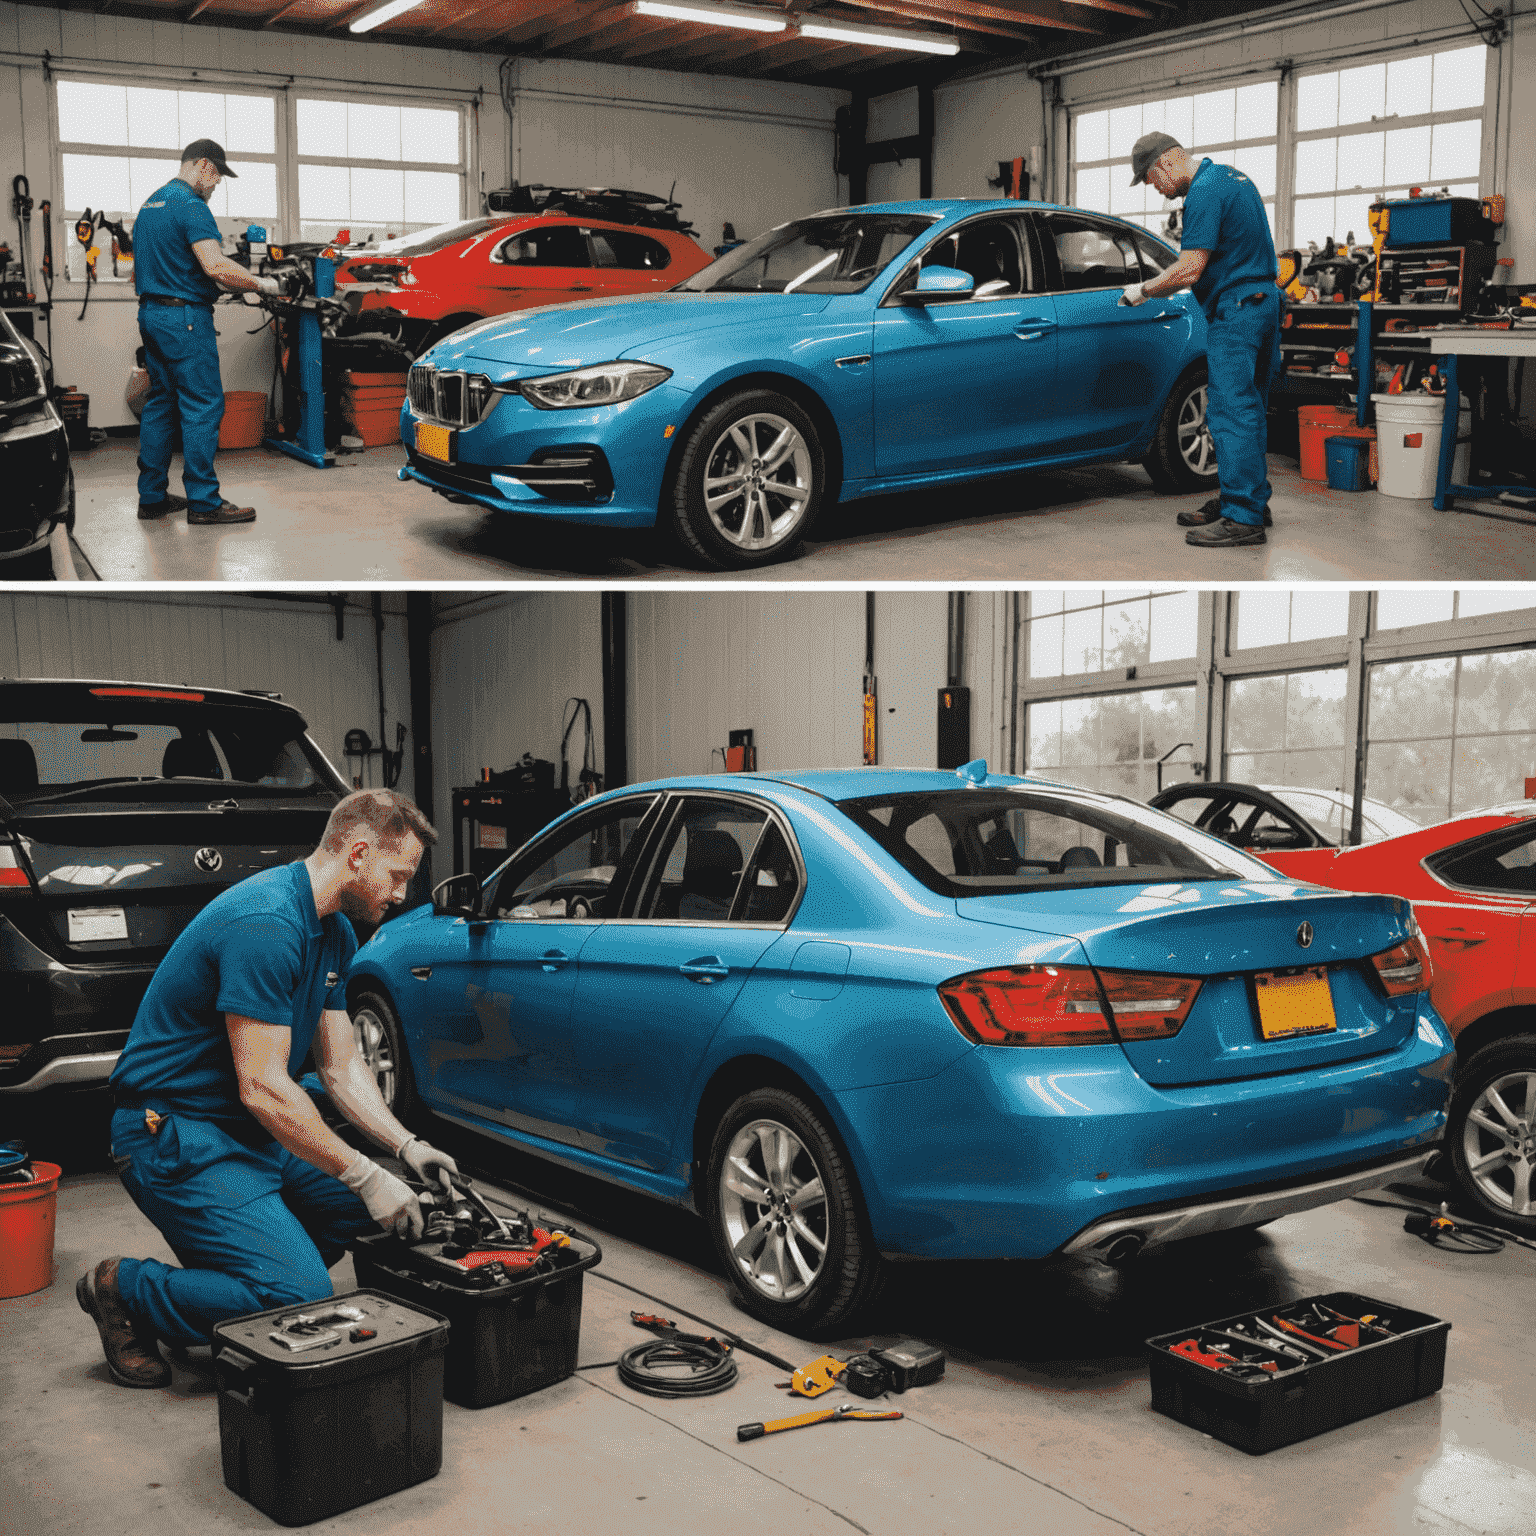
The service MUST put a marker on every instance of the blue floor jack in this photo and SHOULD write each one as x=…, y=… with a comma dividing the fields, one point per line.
x=304, y=375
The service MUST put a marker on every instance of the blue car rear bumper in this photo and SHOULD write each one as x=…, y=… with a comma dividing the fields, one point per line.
x=1011, y=1153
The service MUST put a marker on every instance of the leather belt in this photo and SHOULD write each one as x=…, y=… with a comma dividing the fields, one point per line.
x=160, y=298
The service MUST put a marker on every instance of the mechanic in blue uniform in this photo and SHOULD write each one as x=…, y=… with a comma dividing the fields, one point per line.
x=179, y=269
x=215, y=1141
x=1228, y=258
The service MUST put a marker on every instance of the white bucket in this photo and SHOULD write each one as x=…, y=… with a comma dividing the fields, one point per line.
x=1408, y=444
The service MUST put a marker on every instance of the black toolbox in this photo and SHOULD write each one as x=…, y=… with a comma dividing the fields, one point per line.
x=321, y=1410
x=1276, y=1390
x=508, y=1339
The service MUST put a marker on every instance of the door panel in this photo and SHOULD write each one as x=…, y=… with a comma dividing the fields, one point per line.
x=545, y=265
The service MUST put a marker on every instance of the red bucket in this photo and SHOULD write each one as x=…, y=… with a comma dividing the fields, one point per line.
x=1315, y=424
x=27, y=1213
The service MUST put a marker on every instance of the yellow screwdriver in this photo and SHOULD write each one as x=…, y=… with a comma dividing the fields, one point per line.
x=805, y=1420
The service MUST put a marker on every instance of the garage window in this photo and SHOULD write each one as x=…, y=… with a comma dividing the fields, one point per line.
x=1402, y=609
x=1280, y=618
x=120, y=143
x=1100, y=631
x=377, y=168
x=1235, y=126
x=1375, y=130
x=1111, y=742
x=1288, y=729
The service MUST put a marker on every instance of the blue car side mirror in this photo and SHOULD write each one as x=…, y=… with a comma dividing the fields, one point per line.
x=940, y=285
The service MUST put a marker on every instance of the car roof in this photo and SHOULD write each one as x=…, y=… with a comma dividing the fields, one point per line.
x=856, y=783
x=949, y=209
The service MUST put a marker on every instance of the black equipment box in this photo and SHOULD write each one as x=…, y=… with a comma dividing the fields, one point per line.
x=508, y=1339
x=911, y=1364
x=349, y=1409
x=1287, y=1390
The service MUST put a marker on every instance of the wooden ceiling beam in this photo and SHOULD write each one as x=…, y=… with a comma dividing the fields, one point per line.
x=1038, y=13
x=578, y=29
x=280, y=13
x=534, y=21
x=467, y=16
x=664, y=37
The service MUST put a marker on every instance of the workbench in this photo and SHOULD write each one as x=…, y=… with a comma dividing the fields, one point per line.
x=1451, y=344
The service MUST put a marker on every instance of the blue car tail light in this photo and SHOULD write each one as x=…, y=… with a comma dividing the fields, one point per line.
x=1055, y=1005
x=1404, y=968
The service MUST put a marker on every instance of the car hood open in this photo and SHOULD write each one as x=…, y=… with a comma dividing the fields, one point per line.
x=557, y=337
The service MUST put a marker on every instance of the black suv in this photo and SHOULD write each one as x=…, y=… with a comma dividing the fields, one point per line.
x=34, y=461
x=124, y=809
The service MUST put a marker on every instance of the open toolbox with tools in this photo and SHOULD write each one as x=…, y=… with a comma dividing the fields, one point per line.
x=1278, y=1374
x=509, y=1285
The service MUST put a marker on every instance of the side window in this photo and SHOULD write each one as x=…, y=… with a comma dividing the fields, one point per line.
x=1503, y=862
x=572, y=876
x=1090, y=254
x=1190, y=808
x=1155, y=256
x=773, y=882
x=699, y=867
x=636, y=253
x=560, y=245
x=991, y=252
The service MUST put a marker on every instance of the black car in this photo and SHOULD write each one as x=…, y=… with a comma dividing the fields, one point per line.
x=34, y=461
x=124, y=809
x=1270, y=817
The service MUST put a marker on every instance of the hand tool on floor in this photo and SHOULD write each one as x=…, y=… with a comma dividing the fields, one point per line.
x=1311, y=1338
x=1276, y=1333
x=805, y=1420
x=821, y=1375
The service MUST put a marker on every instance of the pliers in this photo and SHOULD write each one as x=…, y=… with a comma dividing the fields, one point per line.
x=805, y=1420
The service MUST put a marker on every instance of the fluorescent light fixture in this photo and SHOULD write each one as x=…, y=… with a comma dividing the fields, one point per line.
x=713, y=15
x=918, y=42
x=384, y=13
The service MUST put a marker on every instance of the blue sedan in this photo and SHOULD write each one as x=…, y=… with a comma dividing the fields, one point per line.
x=851, y=1015
x=898, y=346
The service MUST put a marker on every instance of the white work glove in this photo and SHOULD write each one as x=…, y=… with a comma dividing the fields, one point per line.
x=269, y=285
x=426, y=1162
x=1133, y=295
x=392, y=1204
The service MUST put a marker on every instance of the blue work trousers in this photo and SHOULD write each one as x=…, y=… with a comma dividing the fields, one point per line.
x=254, y=1227
x=181, y=356
x=1242, y=355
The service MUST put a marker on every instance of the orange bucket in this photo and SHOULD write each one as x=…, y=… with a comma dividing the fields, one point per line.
x=376, y=427
x=27, y=1213
x=1315, y=424
x=245, y=415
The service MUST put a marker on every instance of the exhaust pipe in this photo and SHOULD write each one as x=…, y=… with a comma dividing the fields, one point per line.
x=1121, y=1250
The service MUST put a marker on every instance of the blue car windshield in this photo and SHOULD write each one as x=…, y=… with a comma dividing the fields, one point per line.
x=994, y=842
x=832, y=253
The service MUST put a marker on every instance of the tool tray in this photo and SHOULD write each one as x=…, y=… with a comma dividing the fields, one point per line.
x=506, y=1339
x=1274, y=1395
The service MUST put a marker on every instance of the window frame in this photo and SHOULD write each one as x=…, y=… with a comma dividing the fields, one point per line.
x=1054, y=272
x=1520, y=833
x=1028, y=253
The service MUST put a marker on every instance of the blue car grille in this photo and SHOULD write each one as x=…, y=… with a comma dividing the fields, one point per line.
x=450, y=396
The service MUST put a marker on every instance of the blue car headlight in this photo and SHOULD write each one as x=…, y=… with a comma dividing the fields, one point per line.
x=601, y=384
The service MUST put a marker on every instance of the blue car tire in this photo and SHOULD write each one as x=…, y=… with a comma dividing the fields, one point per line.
x=750, y=481
x=783, y=1208
x=1182, y=457
x=381, y=1042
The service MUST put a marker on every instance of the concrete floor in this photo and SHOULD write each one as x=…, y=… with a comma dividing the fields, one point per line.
x=1042, y=1423
x=357, y=523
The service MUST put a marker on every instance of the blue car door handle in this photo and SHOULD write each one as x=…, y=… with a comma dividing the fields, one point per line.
x=1033, y=330
x=1138, y=317
x=706, y=969
x=553, y=959
x=422, y=972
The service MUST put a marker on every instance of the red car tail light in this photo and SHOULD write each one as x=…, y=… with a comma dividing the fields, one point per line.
x=1028, y=1005
x=11, y=872
x=1404, y=968
x=1149, y=1007
x=147, y=693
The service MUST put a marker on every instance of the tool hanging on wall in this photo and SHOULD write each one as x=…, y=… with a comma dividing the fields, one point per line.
x=21, y=206
x=589, y=781
x=85, y=233
x=45, y=213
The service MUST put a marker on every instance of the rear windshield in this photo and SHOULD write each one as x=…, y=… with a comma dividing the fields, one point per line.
x=438, y=238
x=82, y=744
x=992, y=842
x=836, y=253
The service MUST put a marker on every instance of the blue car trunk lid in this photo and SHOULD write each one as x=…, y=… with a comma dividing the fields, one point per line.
x=1225, y=932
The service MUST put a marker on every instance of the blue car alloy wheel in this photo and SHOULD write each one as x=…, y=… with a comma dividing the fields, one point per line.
x=854, y=1016
x=862, y=351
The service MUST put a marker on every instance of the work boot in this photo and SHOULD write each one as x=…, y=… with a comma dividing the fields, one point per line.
x=132, y=1351
x=169, y=503
x=1225, y=534
x=1209, y=513
x=225, y=512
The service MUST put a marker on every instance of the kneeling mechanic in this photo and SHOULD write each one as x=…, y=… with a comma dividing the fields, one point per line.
x=214, y=1139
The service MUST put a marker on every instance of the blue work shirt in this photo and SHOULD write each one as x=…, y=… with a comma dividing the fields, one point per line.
x=258, y=950
x=163, y=235
x=1223, y=214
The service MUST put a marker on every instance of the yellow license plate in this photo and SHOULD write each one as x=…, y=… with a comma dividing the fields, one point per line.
x=1301, y=1004
x=434, y=442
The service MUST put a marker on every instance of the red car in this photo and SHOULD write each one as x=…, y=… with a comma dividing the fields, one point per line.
x=550, y=245
x=1472, y=882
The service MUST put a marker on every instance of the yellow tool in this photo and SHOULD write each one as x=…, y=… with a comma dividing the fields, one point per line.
x=817, y=1377
x=1288, y=277
x=805, y=1420
x=1380, y=215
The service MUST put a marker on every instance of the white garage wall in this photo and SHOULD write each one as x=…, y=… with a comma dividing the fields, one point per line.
x=214, y=641
x=502, y=668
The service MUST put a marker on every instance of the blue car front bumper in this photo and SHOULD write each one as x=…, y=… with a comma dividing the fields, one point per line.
x=621, y=449
x=1023, y=1153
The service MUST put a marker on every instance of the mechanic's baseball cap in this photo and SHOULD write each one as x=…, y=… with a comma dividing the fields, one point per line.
x=1144, y=155
x=208, y=149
